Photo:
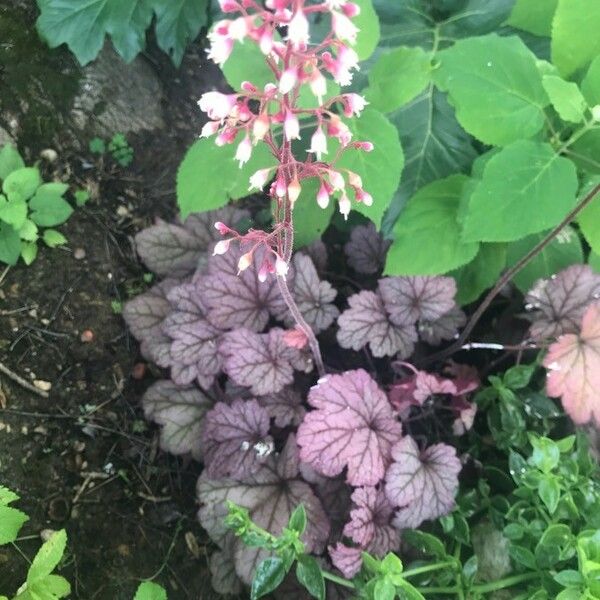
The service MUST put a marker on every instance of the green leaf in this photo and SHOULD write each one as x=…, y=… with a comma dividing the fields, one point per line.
x=13, y=212
x=29, y=251
x=589, y=217
x=563, y=251
x=10, y=160
x=268, y=576
x=81, y=197
x=546, y=454
x=525, y=188
x=368, y=23
x=178, y=22
x=549, y=492
x=22, y=183
x=495, y=86
x=569, y=578
x=28, y=231
x=594, y=261
x=522, y=556
x=566, y=98
x=425, y=542
x=391, y=564
x=385, y=589
x=53, y=238
x=297, y=520
x=379, y=169
x=397, y=77
x=127, y=26
x=10, y=244
x=481, y=273
x=575, y=39
x=97, y=146
x=48, y=207
x=409, y=591
x=427, y=236
x=310, y=220
x=247, y=63
x=534, y=16
x=199, y=188
x=310, y=576
x=11, y=519
x=150, y=591
x=518, y=377
x=48, y=557
x=49, y=588
x=590, y=86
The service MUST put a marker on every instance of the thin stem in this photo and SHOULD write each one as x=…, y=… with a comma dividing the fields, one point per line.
x=504, y=583
x=428, y=568
x=439, y=590
x=339, y=580
x=508, y=275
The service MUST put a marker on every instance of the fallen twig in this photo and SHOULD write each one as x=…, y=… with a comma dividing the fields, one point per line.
x=22, y=382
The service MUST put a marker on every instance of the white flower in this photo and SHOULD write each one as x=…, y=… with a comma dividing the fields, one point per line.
x=281, y=267
x=216, y=105
x=318, y=85
x=291, y=126
x=220, y=48
x=244, y=150
x=323, y=197
x=294, y=190
x=298, y=29
x=258, y=179
x=356, y=104
x=288, y=80
x=221, y=247
x=345, y=205
x=238, y=29
x=344, y=28
x=209, y=129
x=336, y=180
x=318, y=143
x=245, y=261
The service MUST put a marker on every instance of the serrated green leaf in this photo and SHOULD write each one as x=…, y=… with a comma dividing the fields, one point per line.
x=590, y=86
x=397, y=77
x=150, y=591
x=310, y=220
x=127, y=26
x=11, y=521
x=481, y=273
x=380, y=169
x=566, y=98
x=534, y=16
x=10, y=244
x=7, y=496
x=525, y=188
x=13, y=212
x=53, y=238
x=426, y=236
x=48, y=557
x=29, y=251
x=22, y=183
x=562, y=252
x=495, y=86
x=28, y=231
x=199, y=188
x=247, y=63
x=10, y=160
x=268, y=576
x=575, y=39
x=368, y=23
x=310, y=576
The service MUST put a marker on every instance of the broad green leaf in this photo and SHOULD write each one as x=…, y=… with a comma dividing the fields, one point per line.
x=201, y=188
x=247, y=63
x=409, y=591
x=7, y=496
x=590, y=86
x=480, y=274
x=495, y=86
x=575, y=39
x=435, y=146
x=22, y=183
x=368, y=23
x=13, y=212
x=310, y=220
x=427, y=236
x=525, y=188
x=150, y=591
x=594, y=261
x=48, y=207
x=569, y=578
x=10, y=160
x=425, y=542
x=384, y=589
x=589, y=217
x=53, y=238
x=28, y=231
x=380, y=169
x=29, y=251
x=268, y=576
x=566, y=98
x=522, y=556
x=178, y=22
x=549, y=492
x=10, y=244
x=534, y=16
x=49, y=588
x=397, y=77
x=562, y=252
x=585, y=152
x=309, y=575
x=127, y=26
x=11, y=521
x=48, y=557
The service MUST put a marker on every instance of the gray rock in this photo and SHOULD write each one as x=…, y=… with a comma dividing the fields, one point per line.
x=5, y=138
x=117, y=97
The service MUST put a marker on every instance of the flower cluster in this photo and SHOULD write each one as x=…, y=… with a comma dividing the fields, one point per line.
x=273, y=115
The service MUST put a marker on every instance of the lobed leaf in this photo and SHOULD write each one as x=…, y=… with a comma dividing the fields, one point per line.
x=345, y=558
x=366, y=249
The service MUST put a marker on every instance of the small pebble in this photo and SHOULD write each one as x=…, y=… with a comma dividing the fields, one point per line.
x=49, y=154
x=40, y=384
x=79, y=254
x=87, y=336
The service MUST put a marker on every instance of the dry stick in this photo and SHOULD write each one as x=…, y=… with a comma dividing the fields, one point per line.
x=22, y=382
x=508, y=275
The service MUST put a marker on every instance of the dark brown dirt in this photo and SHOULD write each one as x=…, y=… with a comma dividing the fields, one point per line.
x=84, y=459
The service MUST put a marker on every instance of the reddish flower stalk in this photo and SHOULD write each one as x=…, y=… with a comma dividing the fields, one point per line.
x=272, y=116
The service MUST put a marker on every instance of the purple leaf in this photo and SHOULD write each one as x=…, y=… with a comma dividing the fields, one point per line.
x=346, y=559
x=423, y=484
x=202, y=225
x=262, y=362
x=169, y=250
x=285, y=407
x=235, y=440
x=270, y=495
x=409, y=299
x=366, y=249
x=353, y=426
x=234, y=300
x=366, y=321
x=180, y=411
x=317, y=251
x=370, y=522
x=444, y=328
x=313, y=296
x=559, y=302
x=222, y=569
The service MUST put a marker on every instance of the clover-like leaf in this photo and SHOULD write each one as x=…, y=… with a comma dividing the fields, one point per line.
x=367, y=322
x=408, y=299
x=169, y=250
x=270, y=495
x=370, y=522
x=262, y=362
x=180, y=411
x=238, y=300
x=284, y=407
x=353, y=426
x=235, y=440
x=366, y=249
x=559, y=302
x=422, y=484
x=573, y=364
x=346, y=559
x=444, y=328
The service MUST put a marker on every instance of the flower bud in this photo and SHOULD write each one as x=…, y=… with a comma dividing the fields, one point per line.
x=260, y=127
x=244, y=262
x=229, y=6
x=323, y=196
x=265, y=41
x=258, y=179
x=249, y=87
x=288, y=80
x=345, y=205
x=336, y=179
x=364, y=197
x=366, y=146
x=291, y=126
x=209, y=129
x=264, y=271
x=244, y=150
x=221, y=247
x=281, y=267
x=318, y=143
x=351, y=10
x=294, y=190
x=354, y=179
x=318, y=84
x=280, y=187
x=222, y=228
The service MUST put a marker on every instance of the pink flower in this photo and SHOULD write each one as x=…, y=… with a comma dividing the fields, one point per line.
x=216, y=105
x=293, y=190
x=244, y=151
x=220, y=48
x=226, y=136
x=337, y=128
x=366, y=146
x=265, y=41
x=222, y=228
x=229, y=6
x=354, y=179
x=238, y=29
x=318, y=143
x=350, y=9
x=343, y=27
x=280, y=187
x=323, y=196
x=353, y=104
x=336, y=180
x=364, y=197
x=244, y=262
x=288, y=80
x=298, y=30
x=291, y=126
x=260, y=127
x=258, y=179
